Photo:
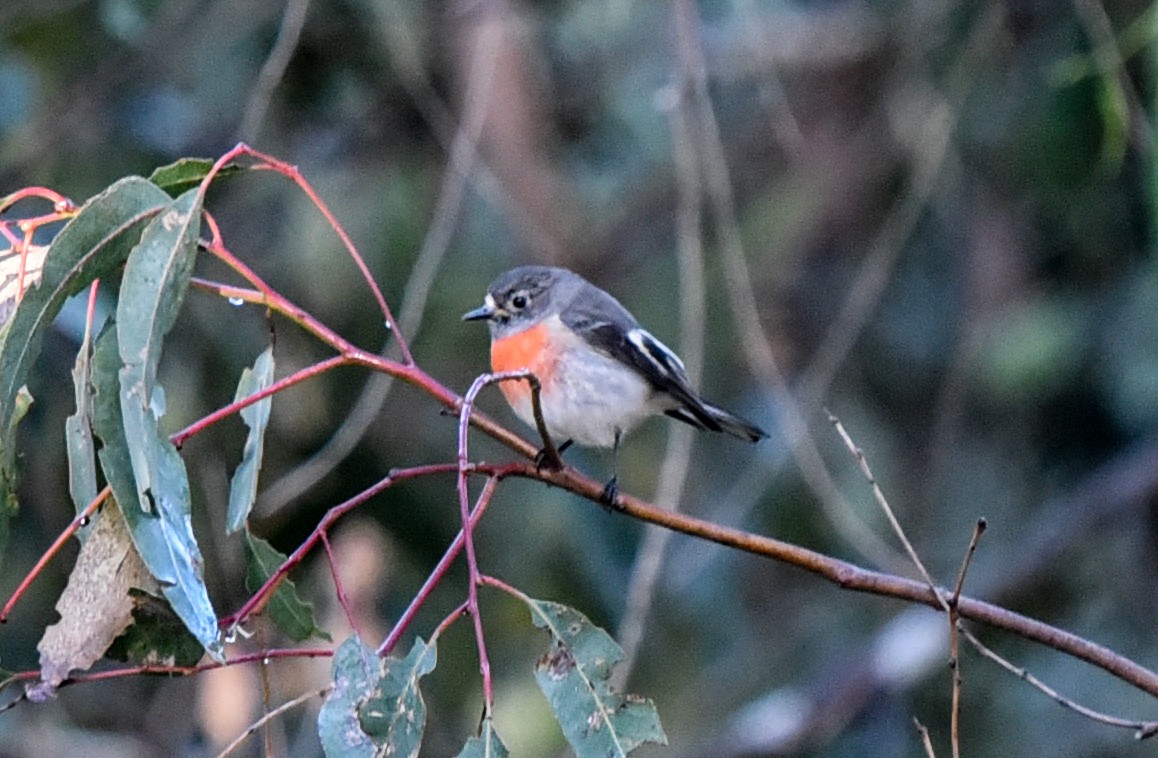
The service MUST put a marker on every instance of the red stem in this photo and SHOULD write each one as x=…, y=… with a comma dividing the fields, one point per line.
x=343, y=598
x=258, y=598
x=80, y=520
x=293, y=174
x=61, y=203
x=309, y=372
x=438, y=572
x=208, y=665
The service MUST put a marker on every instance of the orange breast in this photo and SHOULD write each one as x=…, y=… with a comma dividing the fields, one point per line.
x=525, y=350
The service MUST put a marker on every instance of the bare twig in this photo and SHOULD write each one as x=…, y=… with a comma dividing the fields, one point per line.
x=437, y=573
x=862, y=461
x=978, y=530
x=1144, y=729
x=80, y=520
x=343, y=598
x=283, y=708
x=951, y=604
x=954, y=640
x=466, y=512
x=926, y=742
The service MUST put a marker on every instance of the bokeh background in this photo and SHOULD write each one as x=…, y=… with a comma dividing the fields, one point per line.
x=931, y=218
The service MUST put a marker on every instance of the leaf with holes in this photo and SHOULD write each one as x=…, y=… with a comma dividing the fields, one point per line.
x=93, y=244
x=395, y=715
x=575, y=673
x=289, y=612
x=243, y=486
x=356, y=670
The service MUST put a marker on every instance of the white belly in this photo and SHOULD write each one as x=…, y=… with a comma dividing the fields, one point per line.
x=594, y=400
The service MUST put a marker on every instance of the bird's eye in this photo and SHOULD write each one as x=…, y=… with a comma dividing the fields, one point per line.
x=519, y=301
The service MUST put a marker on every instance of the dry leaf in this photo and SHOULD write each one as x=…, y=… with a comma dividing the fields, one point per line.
x=95, y=607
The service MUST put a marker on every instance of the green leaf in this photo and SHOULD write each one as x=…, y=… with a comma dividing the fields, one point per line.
x=486, y=745
x=96, y=242
x=82, y=479
x=243, y=486
x=157, y=636
x=187, y=173
x=163, y=538
x=375, y=707
x=395, y=715
x=574, y=675
x=289, y=612
x=356, y=671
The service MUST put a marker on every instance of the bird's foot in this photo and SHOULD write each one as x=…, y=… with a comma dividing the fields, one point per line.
x=610, y=493
x=545, y=460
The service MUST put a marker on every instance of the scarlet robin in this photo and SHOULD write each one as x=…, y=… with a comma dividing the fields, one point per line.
x=601, y=373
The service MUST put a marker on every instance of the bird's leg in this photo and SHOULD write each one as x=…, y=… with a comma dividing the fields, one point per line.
x=543, y=457
x=548, y=456
x=611, y=489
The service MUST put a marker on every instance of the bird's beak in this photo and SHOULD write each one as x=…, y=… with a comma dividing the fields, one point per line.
x=486, y=311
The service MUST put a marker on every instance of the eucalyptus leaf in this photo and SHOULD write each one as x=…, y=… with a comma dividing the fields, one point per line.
x=575, y=674
x=186, y=174
x=82, y=478
x=243, y=486
x=93, y=244
x=356, y=670
x=395, y=714
x=289, y=612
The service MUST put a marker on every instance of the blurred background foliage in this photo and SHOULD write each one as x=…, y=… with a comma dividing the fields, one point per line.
x=945, y=210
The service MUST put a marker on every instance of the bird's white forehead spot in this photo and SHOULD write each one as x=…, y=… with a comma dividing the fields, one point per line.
x=489, y=301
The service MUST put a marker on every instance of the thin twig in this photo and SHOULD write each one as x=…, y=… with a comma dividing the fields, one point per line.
x=954, y=640
x=286, y=706
x=270, y=163
x=953, y=606
x=978, y=530
x=1144, y=729
x=80, y=520
x=926, y=742
x=465, y=512
x=866, y=471
x=343, y=598
x=551, y=457
x=754, y=343
x=439, y=571
x=263, y=593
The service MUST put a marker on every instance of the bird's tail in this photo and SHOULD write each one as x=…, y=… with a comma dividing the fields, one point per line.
x=715, y=419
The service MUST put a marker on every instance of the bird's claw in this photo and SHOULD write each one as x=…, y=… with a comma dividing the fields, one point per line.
x=610, y=493
x=549, y=459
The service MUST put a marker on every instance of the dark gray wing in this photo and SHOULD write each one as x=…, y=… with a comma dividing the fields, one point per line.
x=609, y=327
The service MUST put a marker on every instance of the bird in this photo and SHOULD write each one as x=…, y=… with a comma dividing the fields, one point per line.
x=600, y=372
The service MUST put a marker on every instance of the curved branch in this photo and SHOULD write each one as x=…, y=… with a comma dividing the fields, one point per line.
x=849, y=576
